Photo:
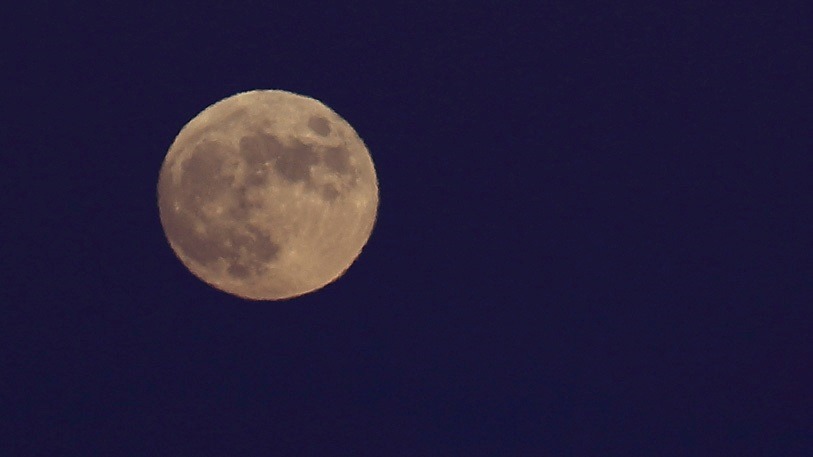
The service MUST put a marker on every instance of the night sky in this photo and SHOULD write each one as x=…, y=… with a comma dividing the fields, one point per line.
x=593, y=237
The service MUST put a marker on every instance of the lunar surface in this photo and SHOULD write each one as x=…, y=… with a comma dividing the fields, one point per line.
x=267, y=195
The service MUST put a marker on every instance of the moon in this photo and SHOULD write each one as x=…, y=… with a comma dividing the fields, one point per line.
x=267, y=195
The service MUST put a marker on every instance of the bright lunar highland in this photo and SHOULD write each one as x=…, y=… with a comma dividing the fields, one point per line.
x=267, y=195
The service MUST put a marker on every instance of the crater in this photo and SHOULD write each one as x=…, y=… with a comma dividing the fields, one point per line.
x=319, y=125
x=329, y=192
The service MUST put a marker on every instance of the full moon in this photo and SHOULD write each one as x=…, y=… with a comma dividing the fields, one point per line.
x=267, y=195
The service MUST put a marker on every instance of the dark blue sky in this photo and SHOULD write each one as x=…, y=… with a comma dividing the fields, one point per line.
x=593, y=235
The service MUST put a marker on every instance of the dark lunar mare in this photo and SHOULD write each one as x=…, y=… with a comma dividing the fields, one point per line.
x=203, y=179
x=219, y=243
x=319, y=125
x=293, y=163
